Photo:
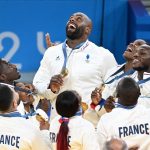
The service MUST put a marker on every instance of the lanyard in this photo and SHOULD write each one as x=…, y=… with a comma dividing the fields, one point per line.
x=118, y=105
x=65, y=52
x=129, y=72
x=143, y=81
x=12, y=114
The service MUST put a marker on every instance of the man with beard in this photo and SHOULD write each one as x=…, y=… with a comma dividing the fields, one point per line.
x=77, y=64
x=103, y=99
x=141, y=63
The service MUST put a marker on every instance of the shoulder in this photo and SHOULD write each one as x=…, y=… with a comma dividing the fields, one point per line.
x=54, y=49
x=55, y=122
x=100, y=50
x=79, y=122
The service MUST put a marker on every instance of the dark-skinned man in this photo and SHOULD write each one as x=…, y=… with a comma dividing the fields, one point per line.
x=129, y=121
x=77, y=64
x=97, y=107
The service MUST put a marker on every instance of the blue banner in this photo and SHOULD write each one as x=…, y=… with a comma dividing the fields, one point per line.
x=24, y=23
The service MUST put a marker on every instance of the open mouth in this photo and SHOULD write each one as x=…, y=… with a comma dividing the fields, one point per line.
x=129, y=49
x=136, y=62
x=72, y=26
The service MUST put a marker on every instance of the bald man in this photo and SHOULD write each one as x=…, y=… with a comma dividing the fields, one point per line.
x=76, y=64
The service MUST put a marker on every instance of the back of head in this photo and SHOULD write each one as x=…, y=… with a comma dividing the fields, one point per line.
x=127, y=91
x=6, y=98
x=68, y=103
x=115, y=143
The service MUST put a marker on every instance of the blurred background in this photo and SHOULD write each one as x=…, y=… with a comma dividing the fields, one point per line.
x=24, y=23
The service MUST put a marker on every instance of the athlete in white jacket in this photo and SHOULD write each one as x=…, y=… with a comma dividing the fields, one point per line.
x=113, y=76
x=77, y=64
x=141, y=63
x=15, y=131
x=70, y=130
x=129, y=121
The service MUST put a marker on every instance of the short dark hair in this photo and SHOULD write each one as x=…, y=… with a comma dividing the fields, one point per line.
x=128, y=90
x=67, y=103
x=2, y=62
x=6, y=97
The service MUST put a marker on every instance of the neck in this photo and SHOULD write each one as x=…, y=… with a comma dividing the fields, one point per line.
x=27, y=107
x=140, y=75
x=8, y=111
x=8, y=82
x=128, y=66
x=74, y=43
x=124, y=102
x=148, y=70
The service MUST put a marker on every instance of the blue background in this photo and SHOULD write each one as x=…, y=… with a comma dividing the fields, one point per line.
x=115, y=24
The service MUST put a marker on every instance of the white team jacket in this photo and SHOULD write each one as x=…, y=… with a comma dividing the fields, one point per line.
x=144, y=98
x=19, y=133
x=82, y=135
x=87, y=68
x=132, y=125
x=93, y=115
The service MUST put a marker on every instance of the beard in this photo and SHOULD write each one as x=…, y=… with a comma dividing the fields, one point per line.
x=141, y=68
x=77, y=34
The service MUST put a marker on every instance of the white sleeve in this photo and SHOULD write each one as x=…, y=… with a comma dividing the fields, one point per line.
x=101, y=133
x=42, y=78
x=90, y=140
x=39, y=143
x=92, y=116
x=46, y=137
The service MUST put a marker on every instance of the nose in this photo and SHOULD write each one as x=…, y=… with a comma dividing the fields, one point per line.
x=14, y=66
x=72, y=19
x=131, y=44
x=136, y=55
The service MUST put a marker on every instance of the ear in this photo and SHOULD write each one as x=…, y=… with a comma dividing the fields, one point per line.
x=87, y=30
x=15, y=104
x=117, y=95
x=3, y=77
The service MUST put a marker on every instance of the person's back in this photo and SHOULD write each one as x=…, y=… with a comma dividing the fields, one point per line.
x=15, y=131
x=81, y=134
x=70, y=130
x=129, y=120
x=19, y=133
x=131, y=125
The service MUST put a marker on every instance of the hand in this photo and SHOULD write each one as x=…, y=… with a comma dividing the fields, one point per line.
x=30, y=86
x=48, y=40
x=26, y=99
x=44, y=125
x=44, y=104
x=55, y=83
x=96, y=96
x=109, y=104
